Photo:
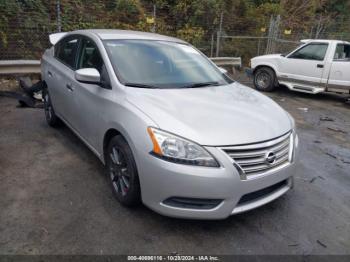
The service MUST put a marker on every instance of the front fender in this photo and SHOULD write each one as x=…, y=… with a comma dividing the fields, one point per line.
x=266, y=64
x=132, y=124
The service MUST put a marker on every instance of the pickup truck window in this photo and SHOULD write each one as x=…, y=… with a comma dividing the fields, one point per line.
x=313, y=51
x=342, y=52
x=66, y=51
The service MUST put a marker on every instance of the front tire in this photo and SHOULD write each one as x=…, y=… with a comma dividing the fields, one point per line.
x=51, y=118
x=265, y=79
x=122, y=172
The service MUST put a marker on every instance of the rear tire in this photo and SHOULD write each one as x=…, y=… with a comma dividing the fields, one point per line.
x=50, y=115
x=265, y=79
x=122, y=172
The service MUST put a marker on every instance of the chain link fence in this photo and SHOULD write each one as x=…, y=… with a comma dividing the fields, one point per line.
x=274, y=37
x=25, y=26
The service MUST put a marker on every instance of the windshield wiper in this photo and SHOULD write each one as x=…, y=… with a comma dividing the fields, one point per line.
x=140, y=85
x=203, y=84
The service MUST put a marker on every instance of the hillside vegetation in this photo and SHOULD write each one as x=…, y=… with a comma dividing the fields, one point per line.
x=24, y=24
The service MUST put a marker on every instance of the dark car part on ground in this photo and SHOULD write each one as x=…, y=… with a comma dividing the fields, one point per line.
x=31, y=96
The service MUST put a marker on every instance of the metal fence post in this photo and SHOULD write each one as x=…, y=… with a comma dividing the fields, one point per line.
x=212, y=45
x=154, y=19
x=58, y=12
x=219, y=35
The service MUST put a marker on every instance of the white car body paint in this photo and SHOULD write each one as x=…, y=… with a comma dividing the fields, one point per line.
x=310, y=76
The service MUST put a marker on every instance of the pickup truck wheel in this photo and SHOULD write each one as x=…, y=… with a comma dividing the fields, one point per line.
x=265, y=79
x=50, y=115
x=122, y=172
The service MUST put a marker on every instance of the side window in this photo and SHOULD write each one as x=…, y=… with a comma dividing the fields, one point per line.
x=342, y=52
x=66, y=51
x=316, y=51
x=90, y=56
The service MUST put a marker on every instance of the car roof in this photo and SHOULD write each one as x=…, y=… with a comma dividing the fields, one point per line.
x=110, y=34
x=324, y=41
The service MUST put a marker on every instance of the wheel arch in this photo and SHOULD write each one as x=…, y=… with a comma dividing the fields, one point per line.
x=109, y=134
x=265, y=65
x=44, y=84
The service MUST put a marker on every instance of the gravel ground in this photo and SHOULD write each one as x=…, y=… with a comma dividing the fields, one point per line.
x=55, y=198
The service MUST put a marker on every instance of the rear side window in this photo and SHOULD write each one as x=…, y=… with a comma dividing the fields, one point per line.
x=315, y=51
x=342, y=52
x=66, y=51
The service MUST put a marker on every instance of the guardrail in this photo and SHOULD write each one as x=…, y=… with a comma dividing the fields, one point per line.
x=18, y=67
x=15, y=67
x=234, y=62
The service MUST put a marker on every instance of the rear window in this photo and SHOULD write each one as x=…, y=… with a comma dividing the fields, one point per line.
x=342, y=52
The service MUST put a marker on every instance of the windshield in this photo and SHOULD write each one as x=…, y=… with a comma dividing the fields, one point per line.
x=161, y=64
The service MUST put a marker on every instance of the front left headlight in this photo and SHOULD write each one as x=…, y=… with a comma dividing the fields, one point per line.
x=179, y=150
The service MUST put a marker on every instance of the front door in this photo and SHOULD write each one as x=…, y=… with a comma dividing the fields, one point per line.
x=304, y=66
x=89, y=99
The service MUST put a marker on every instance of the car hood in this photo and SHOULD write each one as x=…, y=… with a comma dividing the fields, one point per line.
x=214, y=116
x=267, y=56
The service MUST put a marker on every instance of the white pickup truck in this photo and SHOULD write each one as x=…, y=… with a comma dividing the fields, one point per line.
x=315, y=66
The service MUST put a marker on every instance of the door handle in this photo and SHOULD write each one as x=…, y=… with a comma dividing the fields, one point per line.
x=49, y=73
x=69, y=87
x=320, y=66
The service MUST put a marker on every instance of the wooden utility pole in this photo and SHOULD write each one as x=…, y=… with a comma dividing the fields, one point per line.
x=270, y=35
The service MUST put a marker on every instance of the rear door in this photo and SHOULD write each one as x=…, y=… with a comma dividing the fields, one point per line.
x=305, y=66
x=339, y=75
x=62, y=89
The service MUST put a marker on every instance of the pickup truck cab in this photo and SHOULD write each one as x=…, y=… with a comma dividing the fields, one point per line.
x=315, y=66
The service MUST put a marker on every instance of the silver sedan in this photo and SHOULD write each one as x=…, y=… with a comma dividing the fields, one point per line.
x=172, y=129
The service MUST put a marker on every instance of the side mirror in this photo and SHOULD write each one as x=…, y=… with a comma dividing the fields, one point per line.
x=223, y=70
x=88, y=75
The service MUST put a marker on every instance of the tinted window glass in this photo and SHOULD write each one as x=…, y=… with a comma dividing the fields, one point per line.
x=66, y=51
x=90, y=56
x=342, y=52
x=311, y=52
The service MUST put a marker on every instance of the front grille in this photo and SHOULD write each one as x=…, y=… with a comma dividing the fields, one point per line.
x=255, y=159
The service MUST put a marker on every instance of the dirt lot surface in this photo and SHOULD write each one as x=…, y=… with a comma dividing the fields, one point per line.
x=55, y=198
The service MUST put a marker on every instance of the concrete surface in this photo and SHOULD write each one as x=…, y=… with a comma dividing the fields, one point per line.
x=54, y=197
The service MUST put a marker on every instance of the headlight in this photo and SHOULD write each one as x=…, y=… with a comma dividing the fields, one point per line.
x=179, y=150
x=294, y=139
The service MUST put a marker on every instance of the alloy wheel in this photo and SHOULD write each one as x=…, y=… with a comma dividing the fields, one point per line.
x=119, y=172
x=47, y=106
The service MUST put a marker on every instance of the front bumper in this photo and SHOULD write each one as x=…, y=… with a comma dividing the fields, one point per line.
x=161, y=180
